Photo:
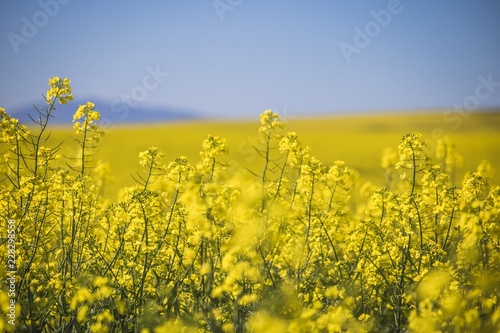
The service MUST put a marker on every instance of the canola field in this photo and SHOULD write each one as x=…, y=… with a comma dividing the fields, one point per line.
x=358, y=140
x=302, y=225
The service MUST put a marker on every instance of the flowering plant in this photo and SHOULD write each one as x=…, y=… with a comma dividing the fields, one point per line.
x=297, y=246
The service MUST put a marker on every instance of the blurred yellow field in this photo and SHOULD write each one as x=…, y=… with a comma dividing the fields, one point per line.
x=358, y=140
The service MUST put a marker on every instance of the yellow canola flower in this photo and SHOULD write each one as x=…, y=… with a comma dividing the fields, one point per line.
x=59, y=89
x=151, y=156
x=82, y=313
x=88, y=115
x=265, y=323
x=84, y=110
x=270, y=121
x=248, y=299
x=100, y=281
x=81, y=296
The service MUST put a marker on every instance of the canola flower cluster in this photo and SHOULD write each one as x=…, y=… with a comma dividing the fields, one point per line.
x=297, y=246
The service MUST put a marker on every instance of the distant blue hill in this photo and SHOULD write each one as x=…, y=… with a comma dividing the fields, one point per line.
x=115, y=113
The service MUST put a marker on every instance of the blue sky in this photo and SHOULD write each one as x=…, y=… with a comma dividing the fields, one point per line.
x=235, y=58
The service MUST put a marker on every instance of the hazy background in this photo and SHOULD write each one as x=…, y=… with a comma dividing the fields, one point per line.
x=233, y=58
